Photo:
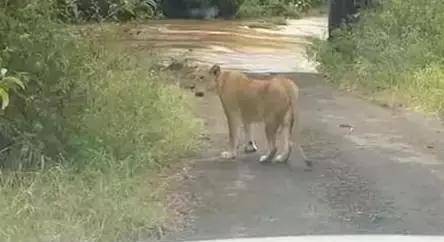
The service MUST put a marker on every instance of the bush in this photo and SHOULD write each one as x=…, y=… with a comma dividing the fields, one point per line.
x=105, y=10
x=200, y=8
x=287, y=8
x=233, y=8
x=391, y=50
x=52, y=64
x=85, y=140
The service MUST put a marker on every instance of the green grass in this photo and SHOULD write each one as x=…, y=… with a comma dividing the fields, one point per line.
x=393, y=55
x=111, y=187
x=92, y=205
x=118, y=125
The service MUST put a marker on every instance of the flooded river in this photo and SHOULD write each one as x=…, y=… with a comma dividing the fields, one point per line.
x=233, y=44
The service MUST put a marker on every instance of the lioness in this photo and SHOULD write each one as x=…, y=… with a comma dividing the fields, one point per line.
x=247, y=101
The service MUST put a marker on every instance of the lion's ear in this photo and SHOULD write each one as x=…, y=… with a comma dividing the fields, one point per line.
x=215, y=70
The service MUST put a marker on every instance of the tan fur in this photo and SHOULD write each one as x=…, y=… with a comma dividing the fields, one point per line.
x=248, y=101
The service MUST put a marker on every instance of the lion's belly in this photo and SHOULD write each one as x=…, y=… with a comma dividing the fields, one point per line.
x=251, y=110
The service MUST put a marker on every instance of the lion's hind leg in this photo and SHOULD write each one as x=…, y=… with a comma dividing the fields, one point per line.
x=250, y=146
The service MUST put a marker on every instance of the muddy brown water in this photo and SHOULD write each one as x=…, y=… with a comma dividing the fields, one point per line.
x=232, y=44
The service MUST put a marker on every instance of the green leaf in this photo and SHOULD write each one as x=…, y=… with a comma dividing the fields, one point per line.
x=14, y=80
x=5, y=98
x=3, y=72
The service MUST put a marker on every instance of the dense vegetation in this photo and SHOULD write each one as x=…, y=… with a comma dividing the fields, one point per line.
x=394, y=54
x=236, y=8
x=78, y=11
x=83, y=141
x=266, y=8
x=106, y=10
x=200, y=8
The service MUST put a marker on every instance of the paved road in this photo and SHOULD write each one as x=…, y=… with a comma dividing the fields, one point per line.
x=386, y=176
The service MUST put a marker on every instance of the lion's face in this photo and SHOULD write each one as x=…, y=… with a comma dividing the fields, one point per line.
x=204, y=80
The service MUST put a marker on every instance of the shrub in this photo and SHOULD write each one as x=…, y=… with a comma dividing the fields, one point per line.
x=133, y=124
x=232, y=8
x=85, y=140
x=200, y=8
x=62, y=73
x=104, y=10
x=52, y=63
x=287, y=8
x=391, y=49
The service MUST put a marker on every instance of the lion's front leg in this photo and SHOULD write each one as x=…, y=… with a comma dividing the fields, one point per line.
x=234, y=130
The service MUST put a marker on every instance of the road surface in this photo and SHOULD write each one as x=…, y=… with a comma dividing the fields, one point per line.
x=376, y=170
x=386, y=176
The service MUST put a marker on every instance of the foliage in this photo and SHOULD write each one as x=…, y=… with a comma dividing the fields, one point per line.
x=7, y=83
x=287, y=8
x=200, y=8
x=395, y=49
x=239, y=8
x=83, y=142
x=51, y=63
x=105, y=10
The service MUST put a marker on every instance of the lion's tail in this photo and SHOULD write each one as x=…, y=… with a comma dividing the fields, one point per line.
x=293, y=93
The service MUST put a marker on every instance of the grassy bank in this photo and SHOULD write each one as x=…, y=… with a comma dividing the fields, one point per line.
x=95, y=204
x=110, y=188
x=85, y=144
x=394, y=55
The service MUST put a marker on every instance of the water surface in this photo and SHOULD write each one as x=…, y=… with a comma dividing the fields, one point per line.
x=232, y=44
